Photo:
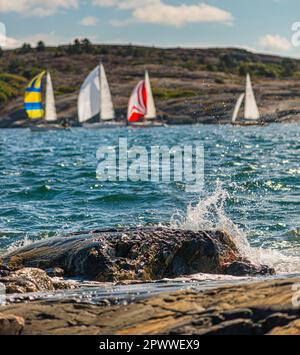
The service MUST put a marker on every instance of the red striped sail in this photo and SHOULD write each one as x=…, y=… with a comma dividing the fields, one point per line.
x=137, y=105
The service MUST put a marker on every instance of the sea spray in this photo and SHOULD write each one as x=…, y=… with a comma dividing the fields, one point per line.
x=210, y=214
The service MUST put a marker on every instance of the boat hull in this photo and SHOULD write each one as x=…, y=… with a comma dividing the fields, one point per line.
x=146, y=124
x=99, y=125
x=47, y=128
x=246, y=124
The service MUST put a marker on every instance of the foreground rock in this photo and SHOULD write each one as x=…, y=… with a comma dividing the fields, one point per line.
x=11, y=325
x=136, y=254
x=256, y=308
x=28, y=280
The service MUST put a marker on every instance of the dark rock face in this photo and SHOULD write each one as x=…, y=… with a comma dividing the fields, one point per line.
x=136, y=254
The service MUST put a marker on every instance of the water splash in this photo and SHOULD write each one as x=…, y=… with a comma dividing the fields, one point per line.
x=210, y=214
x=18, y=244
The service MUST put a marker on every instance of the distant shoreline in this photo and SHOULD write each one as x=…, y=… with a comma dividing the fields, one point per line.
x=189, y=85
x=7, y=123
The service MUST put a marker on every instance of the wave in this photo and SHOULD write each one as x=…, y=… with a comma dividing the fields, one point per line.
x=209, y=213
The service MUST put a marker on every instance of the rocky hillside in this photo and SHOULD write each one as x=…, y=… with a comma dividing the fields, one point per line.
x=189, y=85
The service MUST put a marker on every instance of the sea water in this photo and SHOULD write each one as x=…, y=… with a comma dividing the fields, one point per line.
x=252, y=187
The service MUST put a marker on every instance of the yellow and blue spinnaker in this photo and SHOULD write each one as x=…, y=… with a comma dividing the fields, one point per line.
x=33, y=97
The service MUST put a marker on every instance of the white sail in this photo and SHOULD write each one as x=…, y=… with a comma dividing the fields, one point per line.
x=50, y=110
x=251, y=109
x=107, y=109
x=89, y=96
x=151, y=110
x=237, y=107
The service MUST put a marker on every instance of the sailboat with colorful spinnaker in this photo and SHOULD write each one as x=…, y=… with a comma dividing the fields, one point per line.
x=141, y=105
x=41, y=118
x=252, y=115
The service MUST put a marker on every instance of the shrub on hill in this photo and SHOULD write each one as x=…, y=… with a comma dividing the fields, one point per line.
x=10, y=86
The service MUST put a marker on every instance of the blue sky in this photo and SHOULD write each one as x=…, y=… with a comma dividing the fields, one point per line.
x=261, y=25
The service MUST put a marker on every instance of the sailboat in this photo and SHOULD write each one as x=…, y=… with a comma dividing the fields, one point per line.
x=33, y=102
x=95, y=100
x=251, y=111
x=141, y=105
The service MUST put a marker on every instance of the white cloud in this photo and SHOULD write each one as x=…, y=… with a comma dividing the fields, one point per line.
x=36, y=7
x=180, y=15
x=89, y=21
x=158, y=12
x=274, y=43
x=124, y=4
x=51, y=39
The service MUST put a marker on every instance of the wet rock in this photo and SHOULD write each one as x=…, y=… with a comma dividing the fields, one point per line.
x=241, y=268
x=27, y=280
x=136, y=254
x=55, y=272
x=4, y=270
x=10, y=324
x=61, y=284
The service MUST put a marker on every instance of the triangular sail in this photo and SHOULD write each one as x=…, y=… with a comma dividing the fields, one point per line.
x=151, y=110
x=237, y=107
x=107, y=109
x=137, y=105
x=251, y=109
x=33, y=98
x=89, y=96
x=50, y=111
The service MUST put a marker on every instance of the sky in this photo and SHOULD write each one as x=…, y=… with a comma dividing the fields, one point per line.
x=266, y=26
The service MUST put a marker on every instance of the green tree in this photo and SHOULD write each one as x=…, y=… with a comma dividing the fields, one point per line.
x=289, y=67
x=1, y=52
x=227, y=63
x=26, y=48
x=76, y=48
x=86, y=45
x=40, y=46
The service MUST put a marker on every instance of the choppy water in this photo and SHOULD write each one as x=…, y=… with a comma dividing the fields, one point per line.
x=49, y=186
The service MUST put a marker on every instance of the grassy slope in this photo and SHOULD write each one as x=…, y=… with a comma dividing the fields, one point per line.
x=186, y=82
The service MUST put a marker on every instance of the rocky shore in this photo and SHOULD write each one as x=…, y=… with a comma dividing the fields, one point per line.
x=254, y=309
x=141, y=255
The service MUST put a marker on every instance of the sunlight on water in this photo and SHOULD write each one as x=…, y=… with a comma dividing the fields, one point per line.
x=252, y=187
